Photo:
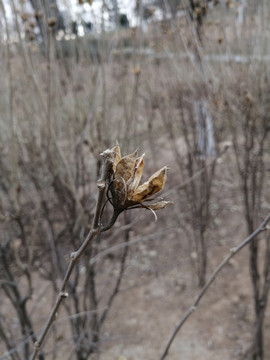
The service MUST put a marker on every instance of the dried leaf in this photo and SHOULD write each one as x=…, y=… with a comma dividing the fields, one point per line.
x=153, y=185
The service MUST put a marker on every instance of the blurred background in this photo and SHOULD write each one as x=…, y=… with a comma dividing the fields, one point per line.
x=187, y=82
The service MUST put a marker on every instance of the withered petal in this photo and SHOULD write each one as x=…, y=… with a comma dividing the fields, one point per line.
x=154, y=184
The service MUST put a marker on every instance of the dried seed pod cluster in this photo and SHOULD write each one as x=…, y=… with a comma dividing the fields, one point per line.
x=125, y=189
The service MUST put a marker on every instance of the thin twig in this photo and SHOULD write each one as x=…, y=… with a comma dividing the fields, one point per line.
x=119, y=278
x=196, y=174
x=154, y=236
x=193, y=307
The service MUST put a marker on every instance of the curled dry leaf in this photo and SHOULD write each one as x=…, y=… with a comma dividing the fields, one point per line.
x=160, y=205
x=152, y=186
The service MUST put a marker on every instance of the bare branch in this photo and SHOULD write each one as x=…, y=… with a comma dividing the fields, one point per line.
x=193, y=307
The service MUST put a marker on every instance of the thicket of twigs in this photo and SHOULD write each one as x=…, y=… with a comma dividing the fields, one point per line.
x=184, y=104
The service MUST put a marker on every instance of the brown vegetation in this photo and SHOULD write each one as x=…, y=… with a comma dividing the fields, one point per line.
x=186, y=105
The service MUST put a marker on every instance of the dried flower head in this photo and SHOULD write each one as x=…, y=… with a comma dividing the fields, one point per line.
x=82, y=2
x=137, y=71
x=125, y=191
x=25, y=16
x=32, y=24
x=197, y=11
x=220, y=39
x=249, y=98
x=32, y=36
x=51, y=21
x=38, y=14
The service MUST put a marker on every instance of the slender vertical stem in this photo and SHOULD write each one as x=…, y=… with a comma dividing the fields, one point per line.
x=49, y=123
x=75, y=256
x=11, y=97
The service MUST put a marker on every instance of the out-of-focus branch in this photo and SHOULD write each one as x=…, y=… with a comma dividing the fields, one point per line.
x=193, y=307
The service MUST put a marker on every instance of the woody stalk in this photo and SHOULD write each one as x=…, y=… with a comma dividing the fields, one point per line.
x=120, y=181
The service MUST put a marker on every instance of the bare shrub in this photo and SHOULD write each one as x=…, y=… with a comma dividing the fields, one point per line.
x=175, y=92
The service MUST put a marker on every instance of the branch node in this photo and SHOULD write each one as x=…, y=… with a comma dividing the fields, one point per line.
x=73, y=255
x=101, y=184
x=64, y=294
x=193, y=308
x=37, y=345
x=233, y=250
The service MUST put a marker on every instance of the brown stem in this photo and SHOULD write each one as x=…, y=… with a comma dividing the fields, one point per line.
x=116, y=213
x=75, y=256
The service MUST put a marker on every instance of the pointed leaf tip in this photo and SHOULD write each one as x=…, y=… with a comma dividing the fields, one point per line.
x=117, y=153
x=154, y=184
x=160, y=205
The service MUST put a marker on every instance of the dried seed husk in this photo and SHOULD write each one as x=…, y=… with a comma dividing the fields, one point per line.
x=154, y=184
x=135, y=179
x=125, y=167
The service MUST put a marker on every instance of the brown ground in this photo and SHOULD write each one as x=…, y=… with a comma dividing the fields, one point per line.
x=160, y=284
x=143, y=317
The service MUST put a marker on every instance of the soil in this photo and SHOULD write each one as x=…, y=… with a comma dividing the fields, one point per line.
x=159, y=286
